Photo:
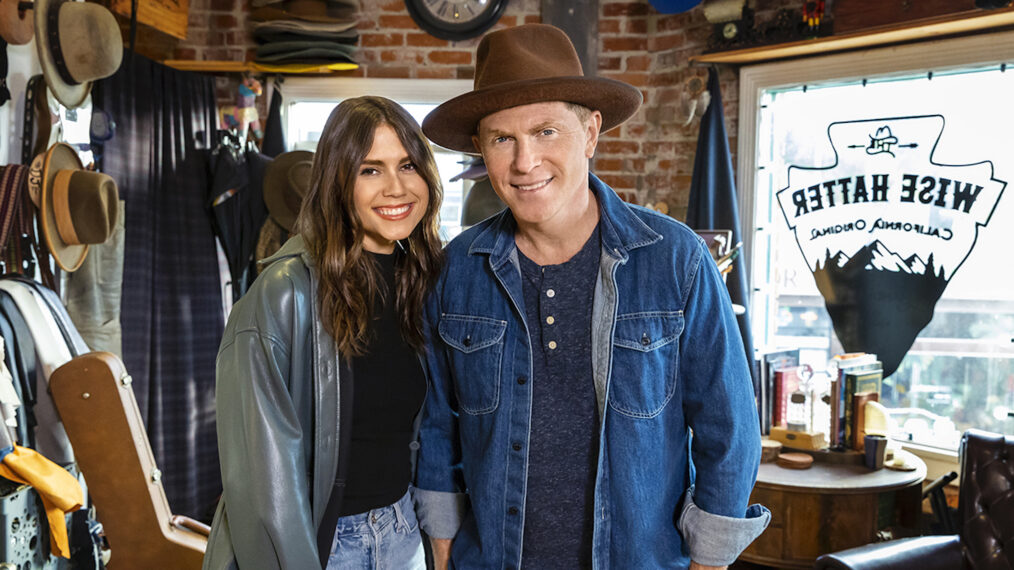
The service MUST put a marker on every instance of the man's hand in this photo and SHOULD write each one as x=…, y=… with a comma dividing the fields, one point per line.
x=441, y=552
x=696, y=566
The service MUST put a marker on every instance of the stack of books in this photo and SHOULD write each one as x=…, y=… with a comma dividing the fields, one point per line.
x=858, y=381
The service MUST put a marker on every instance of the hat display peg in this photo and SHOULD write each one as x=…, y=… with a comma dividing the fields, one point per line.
x=78, y=43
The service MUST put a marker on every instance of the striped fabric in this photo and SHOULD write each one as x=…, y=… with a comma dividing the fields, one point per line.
x=171, y=310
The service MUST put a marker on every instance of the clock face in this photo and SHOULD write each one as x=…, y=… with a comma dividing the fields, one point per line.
x=730, y=30
x=455, y=19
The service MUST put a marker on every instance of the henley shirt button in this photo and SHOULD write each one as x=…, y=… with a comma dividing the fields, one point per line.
x=550, y=293
x=512, y=511
x=414, y=446
x=522, y=380
x=516, y=446
x=550, y=320
x=552, y=345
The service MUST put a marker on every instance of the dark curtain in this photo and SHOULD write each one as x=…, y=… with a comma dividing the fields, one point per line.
x=713, y=204
x=171, y=310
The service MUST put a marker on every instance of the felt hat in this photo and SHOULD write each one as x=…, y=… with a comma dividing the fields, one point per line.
x=15, y=25
x=526, y=64
x=77, y=207
x=286, y=181
x=78, y=42
x=673, y=6
x=308, y=10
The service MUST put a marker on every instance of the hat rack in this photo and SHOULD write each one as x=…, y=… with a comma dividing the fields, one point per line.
x=220, y=66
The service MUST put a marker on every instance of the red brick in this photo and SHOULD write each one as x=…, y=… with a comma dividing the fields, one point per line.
x=451, y=57
x=388, y=55
x=381, y=40
x=671, y=22
x=626, y=43
x=636, y=164
x=196, y=21
x=662, y=43
x=638, y=62
x=627, y=196
x=609, y=26
x=224, y=22
x=635, y=130
x=618, y=147
x=508, y=21
x=398, y=71
x=625, y=9
x=424, y=40
x=186, y=54
x=397, y=22
x=637, y=26
x=222, y=5
x=658, y=148
x=608, y=164
x=620, y=181
x=436, y=73
x=635, y=79
x=609, y=63
x=236, y=38
x=664, y=164
x=536, y=19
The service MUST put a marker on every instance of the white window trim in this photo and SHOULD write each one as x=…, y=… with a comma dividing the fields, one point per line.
x=940, y=55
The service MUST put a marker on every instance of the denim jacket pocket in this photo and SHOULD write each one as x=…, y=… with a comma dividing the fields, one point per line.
x=645, y=353
x=476, y=351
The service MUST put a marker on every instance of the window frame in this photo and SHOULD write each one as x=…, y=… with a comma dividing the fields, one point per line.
x=905, y=60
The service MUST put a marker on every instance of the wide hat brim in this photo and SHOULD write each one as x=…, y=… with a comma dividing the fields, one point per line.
x=452, y=124
x=70, y=96
x=14, y=28
x=59, y=157
x=276, y=185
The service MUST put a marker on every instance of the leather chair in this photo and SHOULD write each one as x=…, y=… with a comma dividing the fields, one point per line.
x=985, y=539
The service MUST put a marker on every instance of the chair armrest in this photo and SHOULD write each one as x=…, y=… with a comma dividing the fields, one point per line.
x=190, y=524
x=924, y=553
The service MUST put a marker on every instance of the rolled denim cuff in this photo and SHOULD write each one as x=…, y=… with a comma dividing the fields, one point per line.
x=716, y=540
x=439, y=513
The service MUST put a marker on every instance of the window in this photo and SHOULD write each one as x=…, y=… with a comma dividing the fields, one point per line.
x=308, y=103
x=802, y=124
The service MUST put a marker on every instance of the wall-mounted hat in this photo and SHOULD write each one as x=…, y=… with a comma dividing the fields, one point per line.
x=77, y=207
x=522, y=65
x=673, y=6
x=15, y=25
x=78, y=42
x=286, y=181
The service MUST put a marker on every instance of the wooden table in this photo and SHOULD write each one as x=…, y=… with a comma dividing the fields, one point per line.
x=830, y=507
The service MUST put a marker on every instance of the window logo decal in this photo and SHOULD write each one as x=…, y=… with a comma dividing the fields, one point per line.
x=885, y=227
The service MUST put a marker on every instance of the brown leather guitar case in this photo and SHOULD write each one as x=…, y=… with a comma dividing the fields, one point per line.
x=93, y=395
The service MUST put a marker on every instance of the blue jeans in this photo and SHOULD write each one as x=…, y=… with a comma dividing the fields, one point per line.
x=380, y=539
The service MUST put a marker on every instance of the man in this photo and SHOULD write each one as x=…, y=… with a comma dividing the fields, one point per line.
x=575, y=341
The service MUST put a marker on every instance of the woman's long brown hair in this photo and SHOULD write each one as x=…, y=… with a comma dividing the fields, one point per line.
x=349, y=278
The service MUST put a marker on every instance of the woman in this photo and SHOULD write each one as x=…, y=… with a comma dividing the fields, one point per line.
x=318, y=378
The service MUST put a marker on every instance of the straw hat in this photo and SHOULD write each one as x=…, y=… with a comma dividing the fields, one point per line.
x=15, y=25
x=286, y=181
x=78, y=42
x=523, y=65
x=77, y=207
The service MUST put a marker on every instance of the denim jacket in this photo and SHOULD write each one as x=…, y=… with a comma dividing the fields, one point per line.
x=668, y=359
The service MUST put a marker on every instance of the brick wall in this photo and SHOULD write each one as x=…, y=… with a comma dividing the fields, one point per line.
x=648, y=160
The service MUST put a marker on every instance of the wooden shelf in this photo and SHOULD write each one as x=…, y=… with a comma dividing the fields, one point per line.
x=925, y=29
x=249, y=66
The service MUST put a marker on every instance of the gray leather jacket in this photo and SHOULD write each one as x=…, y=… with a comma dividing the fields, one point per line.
x=278, y=406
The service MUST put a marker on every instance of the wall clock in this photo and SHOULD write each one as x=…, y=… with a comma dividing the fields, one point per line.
x=455, y=19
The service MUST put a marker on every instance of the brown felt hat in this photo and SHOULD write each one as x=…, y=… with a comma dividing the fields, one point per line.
x=286, y=181
x=526, y=64
x=15, y=24
x=78, y=207
x=78, y=43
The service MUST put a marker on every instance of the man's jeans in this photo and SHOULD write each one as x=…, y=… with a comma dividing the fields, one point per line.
x=384, y=538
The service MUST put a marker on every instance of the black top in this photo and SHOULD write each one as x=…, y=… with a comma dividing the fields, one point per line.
x=388, y=391
x=563, y=441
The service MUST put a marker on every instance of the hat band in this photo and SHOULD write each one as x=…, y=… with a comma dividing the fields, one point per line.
x=61, y=207
x=54, y=45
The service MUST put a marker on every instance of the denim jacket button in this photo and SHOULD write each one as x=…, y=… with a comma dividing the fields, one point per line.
x=645, y=340
x=467, y=341
x=516, y=446
x=512, y=511
x=522, y=380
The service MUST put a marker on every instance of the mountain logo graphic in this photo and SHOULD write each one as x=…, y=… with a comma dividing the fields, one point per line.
x=885, y=227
